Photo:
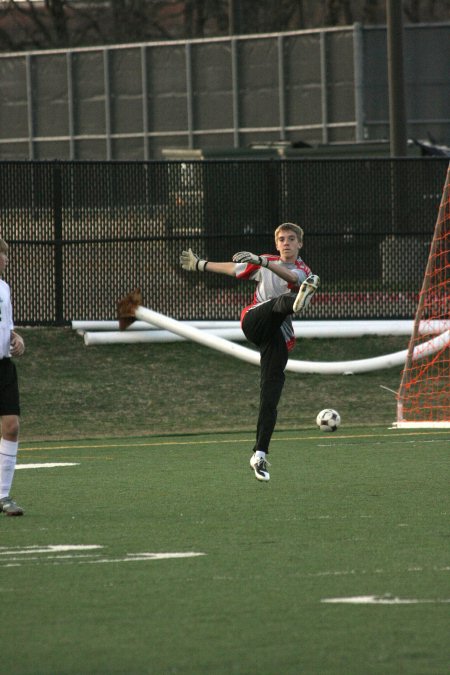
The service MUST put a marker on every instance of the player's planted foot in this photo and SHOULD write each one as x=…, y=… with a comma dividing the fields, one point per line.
x=9, y=507
x=259, y=465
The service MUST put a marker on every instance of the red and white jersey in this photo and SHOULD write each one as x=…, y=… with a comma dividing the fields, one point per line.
x=269, y=286
x=6, y=319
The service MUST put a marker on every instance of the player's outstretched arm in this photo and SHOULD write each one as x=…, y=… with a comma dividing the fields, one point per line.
x=247, y=257
x=191, y=262
x=262, y=261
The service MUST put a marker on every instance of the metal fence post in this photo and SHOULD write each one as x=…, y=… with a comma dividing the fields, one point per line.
x=30, y=110
x=281, y=88
x=58, y=235
x=189, y=95
x=358, y=70
x=324, y=86
x=70, y=104
x=235, y=90
x=107, y=89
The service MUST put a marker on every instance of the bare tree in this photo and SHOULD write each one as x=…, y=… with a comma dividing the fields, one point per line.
x=338, y=12
x=52, y=23
x=417, y=11
x=30, y=25
x=39, y=24
x=371, y=11
x=61, y=23
x=134, y=21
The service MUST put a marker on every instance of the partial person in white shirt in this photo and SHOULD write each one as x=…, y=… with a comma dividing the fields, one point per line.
x=11, y=345
x=285, y=286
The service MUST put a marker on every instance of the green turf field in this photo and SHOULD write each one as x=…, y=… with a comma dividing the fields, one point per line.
x=72, y=391
x=362, y=513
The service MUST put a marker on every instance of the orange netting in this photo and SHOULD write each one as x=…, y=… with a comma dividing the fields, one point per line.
x=424, y=393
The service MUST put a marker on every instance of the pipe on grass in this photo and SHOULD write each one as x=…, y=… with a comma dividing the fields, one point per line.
x=302, y=329
x=153, y=336
x=251, y=356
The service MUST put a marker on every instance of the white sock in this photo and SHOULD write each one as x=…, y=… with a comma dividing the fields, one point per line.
x=260, y=454
x=8, y=457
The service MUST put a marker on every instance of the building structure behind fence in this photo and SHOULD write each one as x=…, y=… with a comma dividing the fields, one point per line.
x=129, y=102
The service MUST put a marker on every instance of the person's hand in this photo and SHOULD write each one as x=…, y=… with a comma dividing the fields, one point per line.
x=306, y=292
x=192, y=262
x=247, y=257
x=17, y=345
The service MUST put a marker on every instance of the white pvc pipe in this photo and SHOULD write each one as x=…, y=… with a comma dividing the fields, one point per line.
x=158, y=336
x=153, y=336
x=432, y=346
x=251, y=356
x=83, y=326
x=197, y=335
x=303, y=329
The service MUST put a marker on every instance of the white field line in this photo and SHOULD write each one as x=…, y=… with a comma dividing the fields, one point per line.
x=51, y=548
x=133, y=557
x=382, y=600
x=76, y=553
x=46, y=465
x=364, y=572
x=44, y=559
x=226, y=441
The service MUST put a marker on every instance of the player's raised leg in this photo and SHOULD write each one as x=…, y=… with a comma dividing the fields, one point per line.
x=307, y=290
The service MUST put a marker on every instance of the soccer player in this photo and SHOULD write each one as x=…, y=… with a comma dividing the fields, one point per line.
x=285, y=287
x=11, y=344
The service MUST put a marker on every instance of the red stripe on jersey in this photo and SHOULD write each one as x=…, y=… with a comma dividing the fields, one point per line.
x=290, y=344
x=251, y=269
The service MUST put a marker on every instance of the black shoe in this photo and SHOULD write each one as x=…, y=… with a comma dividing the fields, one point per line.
x=9, y=506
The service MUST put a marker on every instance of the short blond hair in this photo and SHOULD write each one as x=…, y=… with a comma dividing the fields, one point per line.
x=290, y=226
x=3, y=246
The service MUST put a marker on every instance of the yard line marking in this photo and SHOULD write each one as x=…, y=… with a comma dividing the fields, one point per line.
x=16, y=556
x=133, y=557
x=46, y=465
x=381, y=600
x=51, y=548
x=364, y=572
x=41, y=559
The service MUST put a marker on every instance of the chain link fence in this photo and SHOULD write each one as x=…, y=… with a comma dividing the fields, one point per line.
x=83, y=234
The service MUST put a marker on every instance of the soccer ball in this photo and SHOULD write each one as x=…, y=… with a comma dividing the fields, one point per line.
x=328, y=420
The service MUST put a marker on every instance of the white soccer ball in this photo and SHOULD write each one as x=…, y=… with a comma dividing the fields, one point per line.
x=328, y=420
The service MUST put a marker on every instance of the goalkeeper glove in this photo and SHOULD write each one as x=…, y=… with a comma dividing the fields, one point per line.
x=192, y=262
x=307, y=290
x=246, y=257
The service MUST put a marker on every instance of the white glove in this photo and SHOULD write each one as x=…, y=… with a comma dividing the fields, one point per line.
x=246, y=257
x=192, y=262
x=307, y=290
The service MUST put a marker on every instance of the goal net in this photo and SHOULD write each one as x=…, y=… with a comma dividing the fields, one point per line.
x=423, y=398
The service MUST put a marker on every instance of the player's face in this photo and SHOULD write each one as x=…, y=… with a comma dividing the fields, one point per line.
x=288, y=245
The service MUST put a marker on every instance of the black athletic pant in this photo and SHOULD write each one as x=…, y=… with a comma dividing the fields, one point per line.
x=262, y=326
x=9, y=388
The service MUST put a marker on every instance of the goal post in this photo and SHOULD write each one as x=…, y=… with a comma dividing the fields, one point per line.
x=423, y=398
